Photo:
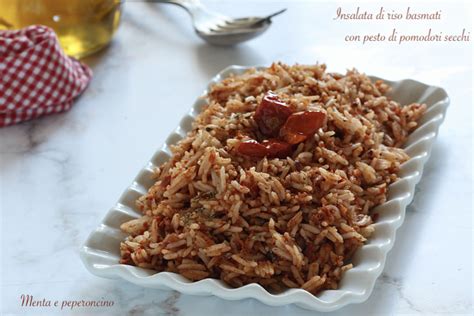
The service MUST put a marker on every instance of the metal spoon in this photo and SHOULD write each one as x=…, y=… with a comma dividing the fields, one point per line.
x=219, y=29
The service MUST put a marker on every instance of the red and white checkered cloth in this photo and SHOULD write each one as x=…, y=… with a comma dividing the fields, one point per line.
x=36, y=77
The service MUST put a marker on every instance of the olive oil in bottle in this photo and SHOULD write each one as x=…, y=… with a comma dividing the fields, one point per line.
x=82, y=26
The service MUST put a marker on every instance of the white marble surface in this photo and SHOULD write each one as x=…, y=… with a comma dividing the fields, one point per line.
x=60, y=174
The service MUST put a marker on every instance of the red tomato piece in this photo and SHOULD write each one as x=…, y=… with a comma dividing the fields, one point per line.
x=277, y=148
x=301, y=125
x=271, y=114
x=271, y=148
x=293, y=138
x=252, y=148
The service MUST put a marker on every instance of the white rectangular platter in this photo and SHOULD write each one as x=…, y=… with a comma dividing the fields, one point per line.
x=101, y=256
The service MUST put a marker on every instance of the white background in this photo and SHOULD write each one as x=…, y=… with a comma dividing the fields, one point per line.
x=60, y=174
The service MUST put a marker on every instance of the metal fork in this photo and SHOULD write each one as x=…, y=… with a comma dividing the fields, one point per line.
x=219, y=29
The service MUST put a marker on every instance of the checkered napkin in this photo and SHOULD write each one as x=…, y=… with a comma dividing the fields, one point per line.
x=36, y=77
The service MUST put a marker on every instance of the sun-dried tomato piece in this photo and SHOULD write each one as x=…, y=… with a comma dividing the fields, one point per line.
x=293, y=138
x=277, y=148
x=301, y=125
x=252, y=148
x=271, y=114
x=270, y=148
